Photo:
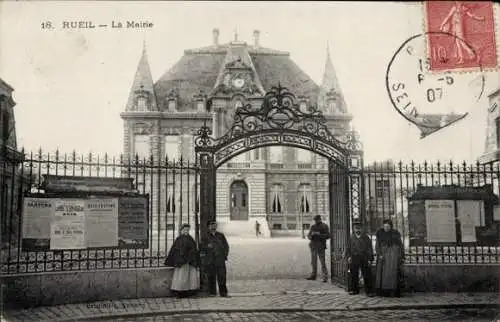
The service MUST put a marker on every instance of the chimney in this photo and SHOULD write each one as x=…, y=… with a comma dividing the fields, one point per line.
x=256, y=34
x=215, y=33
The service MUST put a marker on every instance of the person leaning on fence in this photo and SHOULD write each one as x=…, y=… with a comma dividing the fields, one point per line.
x=359, y=255
x=184, y=257
x=318, y=235
x=390, y=258
x=215, y=251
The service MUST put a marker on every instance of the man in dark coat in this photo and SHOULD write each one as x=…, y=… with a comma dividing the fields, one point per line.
x=359, y=254
x=318, y=235
x=216, y=250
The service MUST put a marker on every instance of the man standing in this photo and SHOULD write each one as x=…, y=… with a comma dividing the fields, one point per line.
x=216, y=250
x=318, y=235
x=359, y=254
x=257, y=228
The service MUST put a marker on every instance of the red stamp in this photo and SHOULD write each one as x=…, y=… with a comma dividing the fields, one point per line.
x=460, y=35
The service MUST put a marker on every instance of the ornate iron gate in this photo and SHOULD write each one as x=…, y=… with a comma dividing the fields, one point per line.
x=280, y=121
x=339, y=220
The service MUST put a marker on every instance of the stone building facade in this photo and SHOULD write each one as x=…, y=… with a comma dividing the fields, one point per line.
x=492, y=142
x=282, y=188
x=10, y=160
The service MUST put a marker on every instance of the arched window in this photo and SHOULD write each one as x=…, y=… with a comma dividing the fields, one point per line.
x=305, y=197
x=276, y=198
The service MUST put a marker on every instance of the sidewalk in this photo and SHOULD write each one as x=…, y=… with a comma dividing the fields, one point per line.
x=275, y=296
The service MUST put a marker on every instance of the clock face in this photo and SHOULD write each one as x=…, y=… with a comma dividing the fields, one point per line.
x=238, y=82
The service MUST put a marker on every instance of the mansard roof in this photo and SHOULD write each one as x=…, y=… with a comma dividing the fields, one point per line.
x=198, y=70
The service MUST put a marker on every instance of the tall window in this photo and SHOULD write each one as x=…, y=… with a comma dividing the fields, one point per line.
x=497, y=128
x=276, y=198
x=276, y=154
x=305, y=197
x=332, y=106
x=382, y=187
x=304, y=156
x=172, y=147
x=141, y=146
x=257, y=154
x=142, y=103
x=170, y=198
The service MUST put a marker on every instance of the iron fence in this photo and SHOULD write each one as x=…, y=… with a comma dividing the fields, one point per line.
x=171, y=186
x=173, y=192
x=390, y=189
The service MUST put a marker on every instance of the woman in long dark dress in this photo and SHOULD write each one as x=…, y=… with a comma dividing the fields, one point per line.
x=390, y=256
x=184, y=257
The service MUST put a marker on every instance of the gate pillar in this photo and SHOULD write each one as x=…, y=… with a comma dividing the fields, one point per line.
x=208, y=187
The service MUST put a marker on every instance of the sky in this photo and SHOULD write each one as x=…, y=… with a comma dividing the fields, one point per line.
x=71, y=85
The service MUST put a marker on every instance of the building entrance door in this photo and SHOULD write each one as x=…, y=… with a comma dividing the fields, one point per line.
x=238, y=201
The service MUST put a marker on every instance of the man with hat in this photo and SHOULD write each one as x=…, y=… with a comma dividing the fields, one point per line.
x=215, y=248
x=318, y=235
x=359, y=254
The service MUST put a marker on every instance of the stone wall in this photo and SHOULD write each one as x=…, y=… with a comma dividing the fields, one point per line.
x=54, y=288
x=452, y=278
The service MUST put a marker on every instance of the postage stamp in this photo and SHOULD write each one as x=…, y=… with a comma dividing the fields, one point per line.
x=431, y=101
x=471, y=39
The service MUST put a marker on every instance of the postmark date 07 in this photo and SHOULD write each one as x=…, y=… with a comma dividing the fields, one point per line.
x=432, y=94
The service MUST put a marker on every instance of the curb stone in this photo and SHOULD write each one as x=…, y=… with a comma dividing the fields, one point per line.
x=292, y=309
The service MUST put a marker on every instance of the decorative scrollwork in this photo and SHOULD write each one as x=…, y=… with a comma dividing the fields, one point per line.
x=204, y=138
x=278, y=112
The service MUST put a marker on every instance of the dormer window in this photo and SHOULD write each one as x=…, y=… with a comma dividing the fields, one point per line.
x=142, y=103
x=200, y=106
x=172, y=105
x=331, y=105
x=303, y=107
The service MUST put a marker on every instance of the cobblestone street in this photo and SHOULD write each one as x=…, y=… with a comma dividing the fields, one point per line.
x=364, y=316
x=316, y=299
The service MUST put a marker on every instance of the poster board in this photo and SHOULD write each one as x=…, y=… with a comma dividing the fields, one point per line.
x=101, y=222
x=67, y=227
x=85, y=223
x=470, y=214
x=35, y=229
x=440, y=221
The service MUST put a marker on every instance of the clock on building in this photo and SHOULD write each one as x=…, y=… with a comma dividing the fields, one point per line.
x=238, y=82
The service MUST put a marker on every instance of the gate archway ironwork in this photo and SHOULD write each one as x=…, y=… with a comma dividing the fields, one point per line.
x=281, y=121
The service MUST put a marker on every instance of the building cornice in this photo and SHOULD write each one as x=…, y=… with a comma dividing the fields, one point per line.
x=489, y=157
x=166, y=115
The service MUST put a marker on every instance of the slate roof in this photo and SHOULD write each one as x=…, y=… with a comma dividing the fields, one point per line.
x=198, y=69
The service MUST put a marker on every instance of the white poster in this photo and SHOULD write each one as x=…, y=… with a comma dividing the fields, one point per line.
x=101, y=222
x=496, y=213
x=37, y=215
x=440, y=219
x=68, y=224
x=470, y=214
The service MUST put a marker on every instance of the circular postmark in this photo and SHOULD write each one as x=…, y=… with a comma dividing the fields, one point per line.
x=431, y=100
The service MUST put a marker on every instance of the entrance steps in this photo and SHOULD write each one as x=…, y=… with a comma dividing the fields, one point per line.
x=287, y=233
x=243, y=228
